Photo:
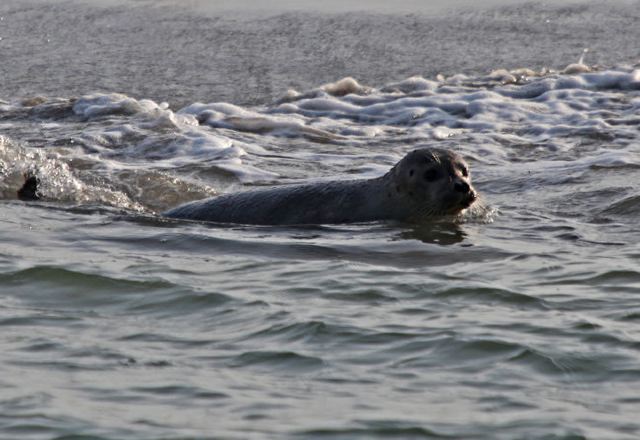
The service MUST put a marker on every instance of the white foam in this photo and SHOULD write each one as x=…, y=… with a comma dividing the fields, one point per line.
x=246, y=173
x=223, y=115
x=411, y=85
x=483, y=117
x=548, y=103
x=345, y=86
x=112, y=104
x=57, y=181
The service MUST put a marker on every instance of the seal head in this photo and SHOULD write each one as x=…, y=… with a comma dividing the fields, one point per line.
x=431, y=182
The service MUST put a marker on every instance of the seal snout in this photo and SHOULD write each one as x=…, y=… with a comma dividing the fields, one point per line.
x=469, y=198
x=469, y=195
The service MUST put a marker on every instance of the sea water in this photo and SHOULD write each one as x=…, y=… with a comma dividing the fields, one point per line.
x=519, y=320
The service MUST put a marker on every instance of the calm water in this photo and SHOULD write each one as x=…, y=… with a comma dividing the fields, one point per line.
x=518, y=322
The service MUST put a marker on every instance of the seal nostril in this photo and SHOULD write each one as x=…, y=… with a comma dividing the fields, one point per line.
x=461, y=186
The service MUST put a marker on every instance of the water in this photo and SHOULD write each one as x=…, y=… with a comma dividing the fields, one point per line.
x=520, y=321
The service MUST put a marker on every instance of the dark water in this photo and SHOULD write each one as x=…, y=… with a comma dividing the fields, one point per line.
x=519, y=321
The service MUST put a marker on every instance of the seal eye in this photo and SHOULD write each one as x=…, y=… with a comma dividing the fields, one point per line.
x=431, y=175
x=465, y=172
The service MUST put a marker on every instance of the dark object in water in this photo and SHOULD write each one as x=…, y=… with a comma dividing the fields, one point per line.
x=29, y=190
x=427, y=182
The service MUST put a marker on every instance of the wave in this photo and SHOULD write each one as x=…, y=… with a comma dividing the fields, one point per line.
x=143, y=156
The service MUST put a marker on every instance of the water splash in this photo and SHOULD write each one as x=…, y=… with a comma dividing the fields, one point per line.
x=55, y=179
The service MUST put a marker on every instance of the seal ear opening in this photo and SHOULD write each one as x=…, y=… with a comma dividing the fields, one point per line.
x=29, y=191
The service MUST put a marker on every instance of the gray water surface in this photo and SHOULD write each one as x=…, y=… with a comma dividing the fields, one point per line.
x=172, y=54
x=518, y=321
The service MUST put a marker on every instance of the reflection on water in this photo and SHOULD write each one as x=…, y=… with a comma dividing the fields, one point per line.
x=435, y=233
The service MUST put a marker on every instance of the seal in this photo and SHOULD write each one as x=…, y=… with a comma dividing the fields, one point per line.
x=427, y=182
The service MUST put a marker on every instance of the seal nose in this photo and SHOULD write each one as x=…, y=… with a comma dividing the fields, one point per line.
x=461, y=186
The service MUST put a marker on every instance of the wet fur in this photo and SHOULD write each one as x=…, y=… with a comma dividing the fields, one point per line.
x=401, y=194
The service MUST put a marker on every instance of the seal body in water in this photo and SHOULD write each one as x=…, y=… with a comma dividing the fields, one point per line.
x=427, y=182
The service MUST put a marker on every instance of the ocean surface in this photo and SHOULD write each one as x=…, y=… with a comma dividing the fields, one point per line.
x=520, y=320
